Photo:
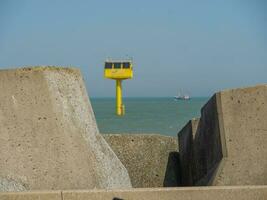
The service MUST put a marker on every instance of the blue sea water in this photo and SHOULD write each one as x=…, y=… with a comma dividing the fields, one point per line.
x=146, y=115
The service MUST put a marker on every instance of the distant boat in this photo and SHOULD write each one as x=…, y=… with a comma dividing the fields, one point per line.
x=182, y=97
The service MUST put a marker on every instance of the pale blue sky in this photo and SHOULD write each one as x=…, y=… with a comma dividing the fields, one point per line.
x=196, y=46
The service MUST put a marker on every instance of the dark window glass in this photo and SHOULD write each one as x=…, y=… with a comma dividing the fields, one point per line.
x=117, y=65
x=108, y=65
x=126, y=65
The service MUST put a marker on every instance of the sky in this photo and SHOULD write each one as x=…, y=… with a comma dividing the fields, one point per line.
x=197, y=47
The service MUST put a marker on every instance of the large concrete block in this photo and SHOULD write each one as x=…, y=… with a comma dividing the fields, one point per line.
x=243, y=128
x=230, y=145
x=151, y=160
x=48, y=134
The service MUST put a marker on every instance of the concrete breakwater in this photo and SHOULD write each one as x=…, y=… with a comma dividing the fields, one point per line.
x=49, y=137
x=228, y=144
x=225, y=146
x=50, y=146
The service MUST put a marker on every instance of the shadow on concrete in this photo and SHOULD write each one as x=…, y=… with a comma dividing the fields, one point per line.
x=207, y=145
x=172, y=175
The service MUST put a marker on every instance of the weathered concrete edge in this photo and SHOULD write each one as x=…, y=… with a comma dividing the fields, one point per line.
x=220, y=165
x=244, y=87
x=32, y=195
x=42, y=68
x=221, y=124
x=208, y=192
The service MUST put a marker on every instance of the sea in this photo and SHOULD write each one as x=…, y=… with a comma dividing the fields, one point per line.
x=163, y=116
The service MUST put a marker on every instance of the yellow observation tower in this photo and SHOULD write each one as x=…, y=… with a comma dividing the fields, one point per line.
x=119, y=70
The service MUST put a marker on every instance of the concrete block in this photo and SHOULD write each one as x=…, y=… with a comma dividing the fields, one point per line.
x=207, y=144
x=151, y=160
x=48, y=135
x=186, y=137
x=185, y=193
x=231, y=141
x=243, y=121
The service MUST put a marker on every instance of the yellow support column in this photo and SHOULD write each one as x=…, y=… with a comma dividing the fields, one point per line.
x=119, y=105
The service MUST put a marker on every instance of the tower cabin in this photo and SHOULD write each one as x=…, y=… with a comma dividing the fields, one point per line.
x=118, y=70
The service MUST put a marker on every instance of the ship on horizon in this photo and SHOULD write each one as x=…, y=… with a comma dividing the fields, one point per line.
x=182, y=97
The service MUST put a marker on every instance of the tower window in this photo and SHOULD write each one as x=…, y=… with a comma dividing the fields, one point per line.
x=117, y=65
x=126, y=65
x=108, y=65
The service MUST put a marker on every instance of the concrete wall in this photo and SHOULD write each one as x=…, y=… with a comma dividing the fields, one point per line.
x=186, y=137
x=48, y=134
x=208, y=151
x=186, y=193
x=151, y=160
x=229, y=147
x=243, y=121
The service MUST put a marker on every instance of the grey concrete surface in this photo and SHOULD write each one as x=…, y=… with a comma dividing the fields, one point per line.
x=151, y=160
x=230, y=143
x=208, y=151
x=185, y=193
x=243, y=120
x=48, y=134
x=32, y=195
x=186, y=137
